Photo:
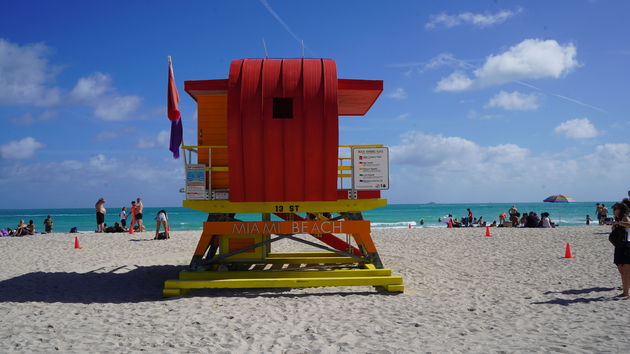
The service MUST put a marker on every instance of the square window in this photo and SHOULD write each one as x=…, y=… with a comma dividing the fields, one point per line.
x=282, y=107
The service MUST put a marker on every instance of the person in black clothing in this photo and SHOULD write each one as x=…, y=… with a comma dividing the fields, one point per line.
x=532, y=220
x=622, y=253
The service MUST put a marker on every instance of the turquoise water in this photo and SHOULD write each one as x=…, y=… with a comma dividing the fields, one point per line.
x=391, y=216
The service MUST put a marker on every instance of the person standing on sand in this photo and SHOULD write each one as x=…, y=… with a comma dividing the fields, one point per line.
x=470, y=217
x=598, y=213
x=123, y=217
x=139, y=209
x=622, y=254
x=100, y=214
x=48, y=223
x=133, y=215
x=604, y=213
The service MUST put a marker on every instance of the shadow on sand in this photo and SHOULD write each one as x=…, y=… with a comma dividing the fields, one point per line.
x=137, y=285
x=583, y=300
x=140, y=284
x=580, y=291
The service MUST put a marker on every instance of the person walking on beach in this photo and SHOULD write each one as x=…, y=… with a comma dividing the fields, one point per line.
x=622, y=253
x=470, y=217
x=48, y=223
x=123, y=217
x=598, y=213
x=161, y=219
x=100, y=215
x=139, y=209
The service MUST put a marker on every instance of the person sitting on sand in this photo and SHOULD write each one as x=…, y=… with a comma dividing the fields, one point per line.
x=48, y=225
x=161, y=219
x=622, y=254
x=545, y=222
x=21, y=229
x=514, y=214
x=523, y=220
x=532, y=220
x=30, y=227
x=115, y=228
x=502, y=218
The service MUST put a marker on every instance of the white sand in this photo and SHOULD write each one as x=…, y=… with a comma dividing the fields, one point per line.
x=464, y=293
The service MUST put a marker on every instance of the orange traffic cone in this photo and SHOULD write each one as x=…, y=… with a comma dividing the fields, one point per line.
x=450, y=224
x=567, y=251
x=488, y=232
x=76, y=243
x=131, y=226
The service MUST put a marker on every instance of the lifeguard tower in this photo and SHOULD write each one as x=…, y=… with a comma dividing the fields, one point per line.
x=268, y=143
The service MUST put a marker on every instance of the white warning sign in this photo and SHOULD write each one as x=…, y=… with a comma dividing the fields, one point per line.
x=196, y=182
x=370, y=168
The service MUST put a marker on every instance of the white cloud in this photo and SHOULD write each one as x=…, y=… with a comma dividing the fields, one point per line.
x=28, y=118
x=480, y=20
x=579, y=128
x=398, y=94
x=451, y=153
x=117, y=107
x=457, y=81
x=97, y=91
x=20, y=149
x=96, y=170
x=514, y=101
x=402, y=116
x=92, y=87
x=26, y=75
x=162, y=139
x=434, y=167
x=530, y=59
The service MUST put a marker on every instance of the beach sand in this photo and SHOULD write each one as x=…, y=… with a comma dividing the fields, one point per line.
x=464, y=293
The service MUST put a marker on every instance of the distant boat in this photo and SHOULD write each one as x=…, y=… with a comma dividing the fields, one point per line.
x=431, y=203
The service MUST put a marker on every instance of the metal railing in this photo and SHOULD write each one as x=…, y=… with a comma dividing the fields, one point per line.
x=344, y=171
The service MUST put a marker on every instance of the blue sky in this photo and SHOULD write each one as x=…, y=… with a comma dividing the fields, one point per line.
x=485, y=101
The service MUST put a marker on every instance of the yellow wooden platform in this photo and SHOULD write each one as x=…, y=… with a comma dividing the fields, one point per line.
x=362, y=275
x=342, y=205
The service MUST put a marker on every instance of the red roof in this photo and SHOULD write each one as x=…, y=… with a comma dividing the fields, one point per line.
x=354, y=97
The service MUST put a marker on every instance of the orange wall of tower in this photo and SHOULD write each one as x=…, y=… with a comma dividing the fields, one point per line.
x=212, y=130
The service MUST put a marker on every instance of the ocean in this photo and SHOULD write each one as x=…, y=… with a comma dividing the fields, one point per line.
x=390, y=216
